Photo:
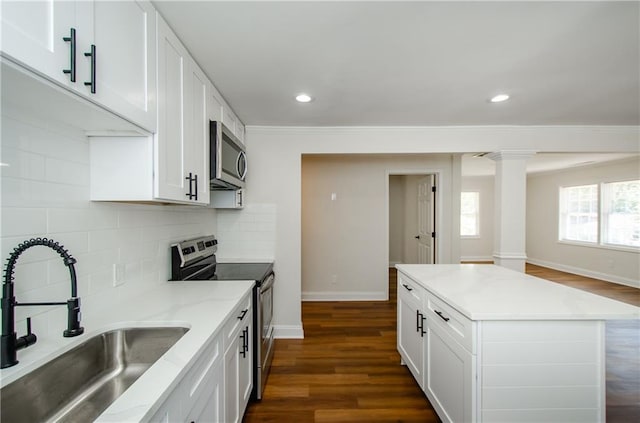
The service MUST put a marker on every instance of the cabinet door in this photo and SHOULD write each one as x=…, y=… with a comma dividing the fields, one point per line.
x=214, y=104
x=411, y=331
x=209, y=407
x=450, y=375
x=33, y=32
x=245, y=367
x=124, y=36
x=197, y=132
x=170, y=140
x=231, y=383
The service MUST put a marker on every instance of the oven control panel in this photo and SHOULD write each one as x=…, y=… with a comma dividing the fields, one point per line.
x=195, y=249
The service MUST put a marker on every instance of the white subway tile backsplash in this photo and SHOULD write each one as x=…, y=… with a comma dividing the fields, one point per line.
x=24, y=221
x=67, y=172
x=67, y=220
x=24, y=164
x=45, y=193
x=248, y=233
x=30, y=276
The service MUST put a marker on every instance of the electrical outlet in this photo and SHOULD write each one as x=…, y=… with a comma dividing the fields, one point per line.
x=118, y=274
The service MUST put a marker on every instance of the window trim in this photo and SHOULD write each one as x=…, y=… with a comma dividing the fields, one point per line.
x=478, y=234
x=599, y=243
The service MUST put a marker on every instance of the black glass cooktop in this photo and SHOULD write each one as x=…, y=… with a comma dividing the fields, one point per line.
x=241, y=271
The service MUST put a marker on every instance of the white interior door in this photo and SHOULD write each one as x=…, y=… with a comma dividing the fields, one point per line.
x=426, y=231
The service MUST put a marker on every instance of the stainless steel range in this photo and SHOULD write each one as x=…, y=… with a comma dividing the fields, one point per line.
x=195, y=259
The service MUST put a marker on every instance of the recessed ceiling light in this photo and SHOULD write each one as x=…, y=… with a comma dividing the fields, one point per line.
x=499, y=98
x=303, y=98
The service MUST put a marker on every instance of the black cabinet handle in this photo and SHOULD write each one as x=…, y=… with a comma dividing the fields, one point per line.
x=243, y=352
x=92, y=82
x=245, y=342
x=407, y=287
x=439, y=313
x=190, y=179
x=244, y=313
x=420, y=318
x=71, y=39
x=196, y=186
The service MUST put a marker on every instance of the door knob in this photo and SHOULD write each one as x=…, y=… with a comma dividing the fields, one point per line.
x=417, y=237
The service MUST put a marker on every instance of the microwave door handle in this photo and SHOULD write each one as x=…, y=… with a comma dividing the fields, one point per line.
x=242, y=155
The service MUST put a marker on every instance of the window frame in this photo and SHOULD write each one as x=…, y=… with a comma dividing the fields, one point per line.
x=477, y=214
x=601, y=225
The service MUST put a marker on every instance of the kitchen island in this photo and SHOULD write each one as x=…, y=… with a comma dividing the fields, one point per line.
x=170, y=388
x=489, y=344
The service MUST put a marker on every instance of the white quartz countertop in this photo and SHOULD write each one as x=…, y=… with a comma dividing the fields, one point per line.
x=203, y=307
x=490, y=292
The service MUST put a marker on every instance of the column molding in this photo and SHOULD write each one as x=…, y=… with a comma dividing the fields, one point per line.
x=510, y=207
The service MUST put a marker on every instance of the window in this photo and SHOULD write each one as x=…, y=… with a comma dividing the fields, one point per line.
x=470, y=214
x=579, y=213
x=601, y=214
x=621, y=213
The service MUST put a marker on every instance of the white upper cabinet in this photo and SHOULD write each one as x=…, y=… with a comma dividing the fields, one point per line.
x=198, y=156
x=125, y=63
x=33, y=34
x=182, y=141
x=103, y=50
x=215, y=105
x=170, y=182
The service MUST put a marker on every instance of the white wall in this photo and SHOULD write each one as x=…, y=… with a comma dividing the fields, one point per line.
x=45, y=193
x=480, y=248
x=275, y=175
x=346, y=239
x=543, y=247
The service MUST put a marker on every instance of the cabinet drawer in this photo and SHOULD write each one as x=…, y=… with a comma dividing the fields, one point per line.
x=411, y=291
x=453, y=322
x=200, y=374
x=237, y=320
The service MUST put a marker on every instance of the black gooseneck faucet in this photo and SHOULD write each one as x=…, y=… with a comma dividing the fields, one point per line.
x=10, y=343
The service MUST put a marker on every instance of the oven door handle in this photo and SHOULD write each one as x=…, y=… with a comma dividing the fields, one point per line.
x=267, y=283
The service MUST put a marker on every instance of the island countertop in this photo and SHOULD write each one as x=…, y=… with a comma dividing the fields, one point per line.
x=490, y=292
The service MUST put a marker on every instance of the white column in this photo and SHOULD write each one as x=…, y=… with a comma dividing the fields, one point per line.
x=509, y=249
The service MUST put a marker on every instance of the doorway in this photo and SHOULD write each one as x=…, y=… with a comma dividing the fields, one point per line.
x=412, y=218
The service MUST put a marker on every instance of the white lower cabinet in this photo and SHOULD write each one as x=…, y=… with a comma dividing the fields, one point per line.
x=238, y=363
x=218, y=386
x=449, y=377
x=411, y=328
x=430, y=342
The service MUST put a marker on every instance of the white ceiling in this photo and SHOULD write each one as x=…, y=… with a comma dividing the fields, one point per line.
x=418, y=63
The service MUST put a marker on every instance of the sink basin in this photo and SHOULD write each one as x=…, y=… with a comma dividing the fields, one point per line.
x=81, y=383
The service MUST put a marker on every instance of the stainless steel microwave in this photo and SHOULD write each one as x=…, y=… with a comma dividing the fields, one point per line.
x=228, y=158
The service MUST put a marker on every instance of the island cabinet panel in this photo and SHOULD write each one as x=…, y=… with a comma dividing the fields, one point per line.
x=411, y=327
x=542, y=371
x=450, y=377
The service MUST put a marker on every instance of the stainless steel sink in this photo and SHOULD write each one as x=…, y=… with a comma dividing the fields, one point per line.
x=81, y=383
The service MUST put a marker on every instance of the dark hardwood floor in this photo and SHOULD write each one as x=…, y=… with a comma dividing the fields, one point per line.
x=347, y=368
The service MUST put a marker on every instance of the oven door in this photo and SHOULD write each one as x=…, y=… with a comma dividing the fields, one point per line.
x=266, y=332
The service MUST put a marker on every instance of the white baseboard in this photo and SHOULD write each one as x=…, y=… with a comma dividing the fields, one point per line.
x=476, y=258
x=585, y=272
x=344, y=296
x=288, y=331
